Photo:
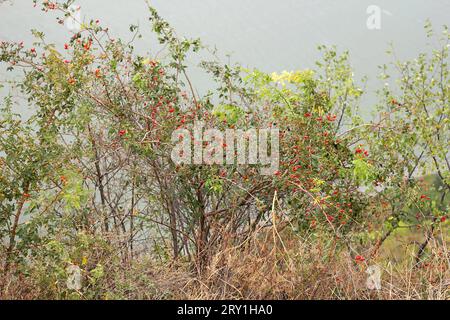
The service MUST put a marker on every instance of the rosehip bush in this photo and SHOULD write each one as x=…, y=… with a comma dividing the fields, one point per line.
x=88, y=179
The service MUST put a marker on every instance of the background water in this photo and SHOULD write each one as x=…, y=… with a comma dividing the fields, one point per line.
x=267, y=34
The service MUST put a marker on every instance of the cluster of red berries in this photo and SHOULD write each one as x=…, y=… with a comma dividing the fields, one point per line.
x=48, y=5
x=362, y=151
x=87, y=45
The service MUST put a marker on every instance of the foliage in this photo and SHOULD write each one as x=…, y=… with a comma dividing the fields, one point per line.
x=88, y=179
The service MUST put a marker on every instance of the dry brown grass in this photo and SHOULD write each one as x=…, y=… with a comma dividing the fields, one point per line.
x=302, y=269
x=267, y=266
